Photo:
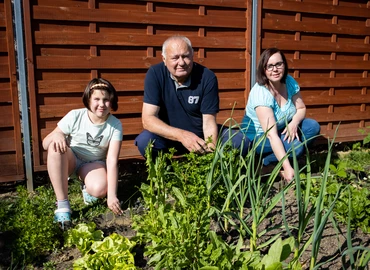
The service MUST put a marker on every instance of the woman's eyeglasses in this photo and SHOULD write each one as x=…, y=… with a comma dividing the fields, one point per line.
x=278, y=65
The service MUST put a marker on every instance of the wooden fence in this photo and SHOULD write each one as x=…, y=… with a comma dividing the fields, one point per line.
x=69, y=42
x=11, y=156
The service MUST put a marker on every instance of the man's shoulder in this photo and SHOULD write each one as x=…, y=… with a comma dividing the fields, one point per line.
x=158, y=67
x=202, y=71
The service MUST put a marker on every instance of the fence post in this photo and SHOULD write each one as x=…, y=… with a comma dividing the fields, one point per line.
x=22, y=89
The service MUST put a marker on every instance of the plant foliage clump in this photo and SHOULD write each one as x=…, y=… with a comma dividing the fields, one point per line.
x=30, y=218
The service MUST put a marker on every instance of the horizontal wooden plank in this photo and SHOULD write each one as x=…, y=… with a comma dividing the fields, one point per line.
x=11, y=177
x=2, y=19
x=351, y=115
x=333, y=82
x=107, y=62
x=128, y=16
x=328, y=64
x=7, y=142
x=316, y=8
x=78, y=86
x=4, y=71
x=114, y=39
x=6, y=119
x=316, y=46
x=215, y=3
x=5, y=95
x=3, y=45
x=335, y=99
x=313, y=27
x=344, y=133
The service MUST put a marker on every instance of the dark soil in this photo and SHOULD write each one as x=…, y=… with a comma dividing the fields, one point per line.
x=134, y=173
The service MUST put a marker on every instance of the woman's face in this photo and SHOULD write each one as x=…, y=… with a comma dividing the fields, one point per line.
x=275, y=68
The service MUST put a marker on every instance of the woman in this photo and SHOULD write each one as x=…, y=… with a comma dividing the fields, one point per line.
x=275, y=106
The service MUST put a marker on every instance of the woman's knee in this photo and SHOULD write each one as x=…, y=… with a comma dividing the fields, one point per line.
x=310, y=128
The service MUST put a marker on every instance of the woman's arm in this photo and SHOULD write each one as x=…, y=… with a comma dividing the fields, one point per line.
x=291, y=131
x=267, y=120
x=112, y=176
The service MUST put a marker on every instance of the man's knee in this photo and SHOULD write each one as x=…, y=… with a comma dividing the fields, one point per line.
x=142, y=141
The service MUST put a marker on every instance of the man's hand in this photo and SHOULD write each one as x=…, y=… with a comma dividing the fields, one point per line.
x=193, y=143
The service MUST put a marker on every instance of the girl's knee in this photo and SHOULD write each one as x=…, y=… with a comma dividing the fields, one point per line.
x=96, y=189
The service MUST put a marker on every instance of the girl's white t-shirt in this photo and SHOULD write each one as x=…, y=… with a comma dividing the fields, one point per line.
x=89, y=141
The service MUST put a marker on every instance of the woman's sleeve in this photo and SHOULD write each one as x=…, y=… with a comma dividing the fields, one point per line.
x=292, y=85
x=260, y=96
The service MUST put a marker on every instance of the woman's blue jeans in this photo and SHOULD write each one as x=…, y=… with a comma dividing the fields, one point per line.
x=308, y=129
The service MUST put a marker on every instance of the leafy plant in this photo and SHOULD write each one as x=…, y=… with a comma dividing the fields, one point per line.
x=30, y=219
x=366, y=140
x=83, y=236
x=113, y=252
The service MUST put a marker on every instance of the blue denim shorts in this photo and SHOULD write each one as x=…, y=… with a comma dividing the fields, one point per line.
x=81, y=162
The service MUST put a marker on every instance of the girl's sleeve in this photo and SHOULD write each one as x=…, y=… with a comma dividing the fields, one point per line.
x=118, y=132
x=66, y=123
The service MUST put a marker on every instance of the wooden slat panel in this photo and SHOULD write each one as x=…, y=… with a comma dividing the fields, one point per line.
x=6, y=119
x=217, y=3
x=330, y=64
x=106, y=62
x=324, y=46
x=335, y=99
x=333, y=82
x=4, y=71
x=346, y=114
x=315, y=8
x=127, y=16
x=312, y=27
x=80, y=38
x=5, y=94
x=7, y=142
x=59, y=86
x=3, y=45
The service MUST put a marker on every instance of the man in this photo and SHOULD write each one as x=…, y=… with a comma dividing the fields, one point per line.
x=180, y=103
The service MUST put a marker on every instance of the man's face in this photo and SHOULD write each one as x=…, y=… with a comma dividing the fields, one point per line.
x=179, y=59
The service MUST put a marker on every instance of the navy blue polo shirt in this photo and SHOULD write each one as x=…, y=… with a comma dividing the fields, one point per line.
x=182, y=108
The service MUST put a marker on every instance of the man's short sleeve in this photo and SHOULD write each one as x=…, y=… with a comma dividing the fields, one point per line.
x=211, y=100
x=152, y=92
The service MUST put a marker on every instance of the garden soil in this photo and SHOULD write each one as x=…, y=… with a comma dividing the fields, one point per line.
x=132, y=174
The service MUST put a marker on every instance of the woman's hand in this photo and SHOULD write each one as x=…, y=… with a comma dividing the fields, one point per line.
x=291, y=132
x=114, y=205
x=287, y=174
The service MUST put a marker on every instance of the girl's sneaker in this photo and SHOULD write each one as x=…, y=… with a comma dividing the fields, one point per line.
x=63, y=217
x=88, y=199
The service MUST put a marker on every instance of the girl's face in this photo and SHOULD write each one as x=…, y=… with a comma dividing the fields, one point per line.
x=275, y=68
x=100, y=104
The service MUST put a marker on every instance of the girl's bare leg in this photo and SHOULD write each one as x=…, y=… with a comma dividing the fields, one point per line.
x=60, y=166
x=94, y=176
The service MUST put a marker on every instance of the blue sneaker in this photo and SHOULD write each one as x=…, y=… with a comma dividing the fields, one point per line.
x=88, y=199
x=63, y=217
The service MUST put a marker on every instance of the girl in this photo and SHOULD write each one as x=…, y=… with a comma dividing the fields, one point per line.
x=274, y=101
x=86, y=142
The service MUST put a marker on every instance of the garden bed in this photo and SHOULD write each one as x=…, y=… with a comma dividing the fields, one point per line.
x=132, y=175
